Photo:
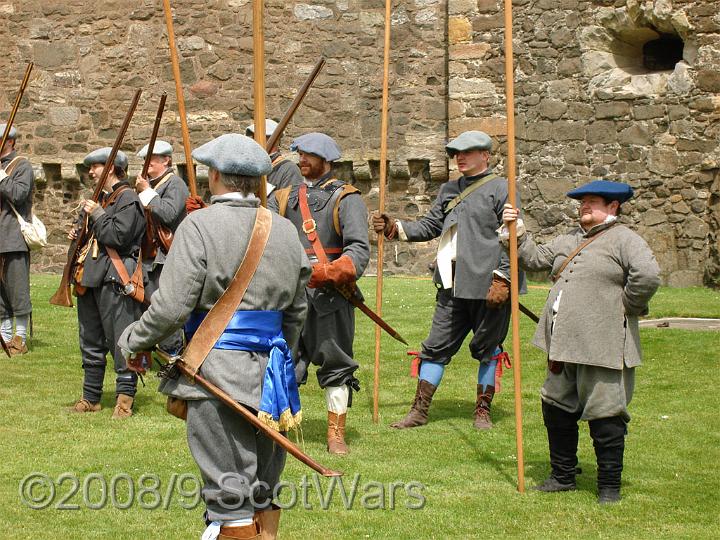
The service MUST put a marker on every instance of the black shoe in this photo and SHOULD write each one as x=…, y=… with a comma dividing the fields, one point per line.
x=608, y=496
x=551, y=485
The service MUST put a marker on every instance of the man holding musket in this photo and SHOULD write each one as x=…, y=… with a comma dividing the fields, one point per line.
x=116, y=226
x=331, y=219
x=471, y=275
x=16, y=189
x=163, y=196
x=604, y=276
x=240, y=466
x=284, y=172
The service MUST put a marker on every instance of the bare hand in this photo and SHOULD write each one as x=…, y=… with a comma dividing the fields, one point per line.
x=89, y=206
x=72, y=235
x=510, y=214
x=141, y=184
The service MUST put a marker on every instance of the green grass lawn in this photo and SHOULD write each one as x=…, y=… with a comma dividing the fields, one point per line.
x=671, y=487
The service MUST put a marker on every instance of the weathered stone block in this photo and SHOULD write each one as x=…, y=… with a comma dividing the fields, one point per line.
x=602, y=131
x=613, y=109
x=552, y=109
x=663, y=161
x=554, y=190
x=64, y=116
x=309, y=12
x=459, y=30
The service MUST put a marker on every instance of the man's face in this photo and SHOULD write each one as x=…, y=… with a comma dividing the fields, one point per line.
x=96, y=170
x=9, y=147
x=472, y=162
x=594, y=210
x=311, y=166
x=158, y=165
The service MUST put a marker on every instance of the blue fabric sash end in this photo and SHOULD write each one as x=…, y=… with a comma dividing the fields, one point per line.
x=261, y=331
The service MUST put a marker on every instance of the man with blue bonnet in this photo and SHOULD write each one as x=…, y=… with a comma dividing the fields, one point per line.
x=240, y=467
x=604, y=275
x=284, y=172
x=331, y=220
x=16, y=189
x=162, y=194
x=116, y=222
x=471, y=275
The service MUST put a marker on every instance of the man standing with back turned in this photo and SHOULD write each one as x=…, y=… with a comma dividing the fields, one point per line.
x=604, y=276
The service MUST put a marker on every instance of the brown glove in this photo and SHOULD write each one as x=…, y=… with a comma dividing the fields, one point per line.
x=498, y=293
x=338, y=272
x=193, y=203
x=384, y=224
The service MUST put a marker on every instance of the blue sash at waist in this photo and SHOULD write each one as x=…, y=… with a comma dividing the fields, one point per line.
x=261, y=331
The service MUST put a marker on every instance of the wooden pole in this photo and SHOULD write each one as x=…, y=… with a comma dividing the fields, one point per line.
x=514, y=289
x=259, y=85
x=181, y=99
x=381, y=207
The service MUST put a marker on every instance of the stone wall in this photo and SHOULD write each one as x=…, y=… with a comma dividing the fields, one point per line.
x=586, y=105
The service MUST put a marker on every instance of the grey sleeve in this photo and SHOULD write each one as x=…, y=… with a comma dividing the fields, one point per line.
x=294, y=316
x=181, y=284
x=18, y=186
x=354, y=231
x=171, y=205
x=120, y=229
x=287, y=174
x=430, y=225
x=535, y=257
x=501, y=197
x=642, y=274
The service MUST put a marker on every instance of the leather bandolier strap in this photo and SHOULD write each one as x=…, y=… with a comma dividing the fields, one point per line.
x=217, y=319
x=309, y=226
x=554, y=277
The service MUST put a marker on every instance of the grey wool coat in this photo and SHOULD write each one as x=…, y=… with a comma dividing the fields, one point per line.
x=168, y=207
x=604, y=289
x=206, y=252
x=477, y=218
x=17, y=189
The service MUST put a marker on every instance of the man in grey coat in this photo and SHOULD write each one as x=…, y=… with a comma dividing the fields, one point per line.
x=472, y=275
x=331, y=219
x=589, y=330
x=16, y=189
x=284, y=172
x=163, y=196
x=240, y=466
x=104, y=310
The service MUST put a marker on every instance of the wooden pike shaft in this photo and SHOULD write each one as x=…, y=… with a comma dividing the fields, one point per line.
x=514, y=289
x=192, y=185
x=381, y=206
x=259, y=85
x=153, y=136
x=16, y=105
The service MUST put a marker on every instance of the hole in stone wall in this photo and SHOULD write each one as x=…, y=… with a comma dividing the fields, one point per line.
x=663, y=53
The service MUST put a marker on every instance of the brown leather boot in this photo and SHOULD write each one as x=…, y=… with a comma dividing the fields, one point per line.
x=123, y=407
x=336, y=434
x=482, y=407
x=243, y=532
x=418, y=414
x=17, y=346
x=83, y=405
x=268, y=522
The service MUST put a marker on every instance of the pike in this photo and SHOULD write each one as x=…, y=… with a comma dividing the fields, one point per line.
x=176, y=362
x=62, y=296
x=259, y=86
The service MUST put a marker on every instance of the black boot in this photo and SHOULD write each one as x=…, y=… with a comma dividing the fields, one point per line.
x=608, y=436
x=562, y=429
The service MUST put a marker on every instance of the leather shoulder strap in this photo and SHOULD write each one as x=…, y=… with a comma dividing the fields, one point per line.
x=309, y=226
x=114, y=195
x=217, y=319
x=13, y=164
x=278, y=159
x=282, y=196
x=554, y=277
x=164, y=179
x=468, y=191
x=347, y=189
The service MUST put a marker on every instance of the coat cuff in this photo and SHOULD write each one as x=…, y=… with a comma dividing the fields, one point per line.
x=402, y=236
x=97, y=213
x=147, y=195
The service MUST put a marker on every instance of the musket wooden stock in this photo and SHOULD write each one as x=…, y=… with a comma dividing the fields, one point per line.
x=62, y=296
x=285, y=120
x=248, y=415
x=18, y=98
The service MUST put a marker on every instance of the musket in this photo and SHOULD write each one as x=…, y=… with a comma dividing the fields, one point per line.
x=11, y=119
x=62, y=296
x=350, y=294
x=153, y=136
x=248, y=415
x=285, y=120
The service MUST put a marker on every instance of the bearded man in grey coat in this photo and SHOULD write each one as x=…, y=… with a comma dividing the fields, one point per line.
x=589, y=330
x=240, y=467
